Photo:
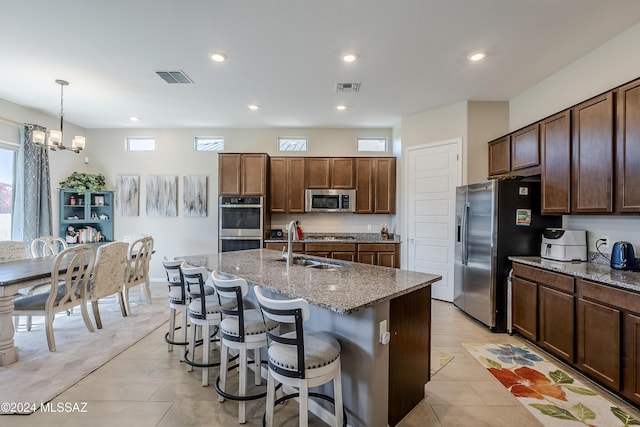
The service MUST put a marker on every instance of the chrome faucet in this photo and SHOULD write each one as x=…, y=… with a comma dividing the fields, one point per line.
x=291, y=228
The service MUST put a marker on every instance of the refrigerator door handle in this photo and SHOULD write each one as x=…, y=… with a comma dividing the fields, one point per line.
x=465, y=225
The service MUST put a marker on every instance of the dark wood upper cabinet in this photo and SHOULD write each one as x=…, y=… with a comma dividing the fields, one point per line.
x=364, y=185
x=242, y=174
x=318, y=171
x=342, y=173
x=500, y=156
x=525, y=148
x=385, y=185
x=555, y=136
x=287, y=185
x=628, y=148
x=592, y=156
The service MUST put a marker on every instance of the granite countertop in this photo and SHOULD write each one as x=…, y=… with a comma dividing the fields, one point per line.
x=342, y=290
x=339, y=238
x=602, y=273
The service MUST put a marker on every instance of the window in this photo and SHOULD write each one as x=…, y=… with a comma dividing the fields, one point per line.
x=208, y=143
x=135, y=143
x=287, y=143
x=372, y=144
x=8, y=154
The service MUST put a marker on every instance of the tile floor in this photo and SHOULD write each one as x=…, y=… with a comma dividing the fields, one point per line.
x=148, y=386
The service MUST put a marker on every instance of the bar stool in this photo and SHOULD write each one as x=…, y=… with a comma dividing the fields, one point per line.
x=242, y=330
x=300, y=359
x=204, y=314
x=178, y=300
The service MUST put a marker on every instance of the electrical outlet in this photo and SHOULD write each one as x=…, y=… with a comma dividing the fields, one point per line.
x=604, y=242
x=368, y=227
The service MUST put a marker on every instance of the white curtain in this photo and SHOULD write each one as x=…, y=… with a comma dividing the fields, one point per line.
x=32, y=211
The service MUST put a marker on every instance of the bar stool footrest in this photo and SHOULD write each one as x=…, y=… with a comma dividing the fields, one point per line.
x=233, y=396
x=169, y=341
x=311, y=394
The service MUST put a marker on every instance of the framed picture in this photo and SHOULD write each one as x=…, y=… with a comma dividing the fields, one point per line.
x=127, y=195
x=194, y=196
x=162, y=195
x=98, y=200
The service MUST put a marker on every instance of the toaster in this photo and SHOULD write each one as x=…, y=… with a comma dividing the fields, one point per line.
x=564, y=245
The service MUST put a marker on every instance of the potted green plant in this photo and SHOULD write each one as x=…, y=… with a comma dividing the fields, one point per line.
x=82, y=182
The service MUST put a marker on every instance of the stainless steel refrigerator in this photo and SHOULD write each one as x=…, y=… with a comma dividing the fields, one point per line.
x=494, y=220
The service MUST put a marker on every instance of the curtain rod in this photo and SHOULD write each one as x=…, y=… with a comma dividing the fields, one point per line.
x=4, y=119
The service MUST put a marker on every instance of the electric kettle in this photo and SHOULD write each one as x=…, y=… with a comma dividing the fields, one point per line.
x=623, y=256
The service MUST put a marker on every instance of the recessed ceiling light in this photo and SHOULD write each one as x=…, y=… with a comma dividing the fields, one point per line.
x=134, y=119
x=341, y=107
x=218, y=57
x=254, y=107
x=477, y=56
x=350, y=57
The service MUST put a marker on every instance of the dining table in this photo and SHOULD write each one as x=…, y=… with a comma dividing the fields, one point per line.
x=16, y=275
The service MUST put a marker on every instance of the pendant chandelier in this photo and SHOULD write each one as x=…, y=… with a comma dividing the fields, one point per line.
x=53, y=138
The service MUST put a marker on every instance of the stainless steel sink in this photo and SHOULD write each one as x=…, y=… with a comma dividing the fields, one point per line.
x=314, y=263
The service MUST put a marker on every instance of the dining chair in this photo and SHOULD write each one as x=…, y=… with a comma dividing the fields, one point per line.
x=69, y=278
x=47, y=246
x=108, y=276
x=137, y=273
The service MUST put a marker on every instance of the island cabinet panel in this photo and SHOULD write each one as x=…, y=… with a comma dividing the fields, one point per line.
x=628, y=148
x=557, y=308
x=500, y=156
x=599, y=333
x=555, y=135
x=592, y=162
x=631, y=359
x=525, y=307
x=318, y=171
x=242, y=174
x=525, y=148
x=409, y=354
x=286, y=184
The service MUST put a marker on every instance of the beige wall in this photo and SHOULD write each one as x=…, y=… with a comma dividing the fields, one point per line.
x=486, y=120
x=606, y=67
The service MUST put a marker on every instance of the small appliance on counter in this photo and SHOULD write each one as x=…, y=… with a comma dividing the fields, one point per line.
x=276, y=233
x=623, y=257
x=564, y=245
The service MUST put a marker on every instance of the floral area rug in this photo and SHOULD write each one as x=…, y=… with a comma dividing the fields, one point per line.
x=439, y=360
x=553, y=396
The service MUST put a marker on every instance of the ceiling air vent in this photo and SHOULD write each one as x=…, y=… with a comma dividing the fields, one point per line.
x=347, y=87
x=174, y=77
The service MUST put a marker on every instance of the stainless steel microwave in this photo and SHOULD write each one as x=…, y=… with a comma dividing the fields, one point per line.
x=330, y=201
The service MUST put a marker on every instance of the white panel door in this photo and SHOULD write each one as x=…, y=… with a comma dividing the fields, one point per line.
x=433, y=173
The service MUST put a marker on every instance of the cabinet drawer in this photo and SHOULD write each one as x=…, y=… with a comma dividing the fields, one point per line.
x=376, y=247
x=277, y=246
x=624, y=300
x=332, y=247
x=558, y=281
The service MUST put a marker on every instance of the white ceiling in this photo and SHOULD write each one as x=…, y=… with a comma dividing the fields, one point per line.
x=284, y=55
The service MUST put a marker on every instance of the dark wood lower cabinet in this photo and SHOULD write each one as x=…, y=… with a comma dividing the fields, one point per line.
x=631, y=358
x=557, y=308
x=599, y=342
x=525, y=308
x=409, y=352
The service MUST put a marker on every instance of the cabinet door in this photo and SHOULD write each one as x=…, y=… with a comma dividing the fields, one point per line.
x=229, y=174
x=592, y=163
x=318, y=171
x=556, y=164
x=342, y=173
x=364, y=185
x=524, y=296
x=525, y=148
x=345, y=256
x=628, y=148
x=367, y=258
x=295, y=184
x=386, y=259
x=278, y=184
x=631, y=367
x=254, y=174
x=557, y=322
x=500, y=156
x=599, y=342
x=385, y=185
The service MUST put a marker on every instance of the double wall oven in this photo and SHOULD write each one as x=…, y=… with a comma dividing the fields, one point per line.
x=240, y=223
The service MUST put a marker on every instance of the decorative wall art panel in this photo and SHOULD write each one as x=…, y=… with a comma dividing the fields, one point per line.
x=127, y=195
x=194, y=194
x=162, y=195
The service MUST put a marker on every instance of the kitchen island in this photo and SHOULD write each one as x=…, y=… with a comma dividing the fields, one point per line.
x=381, y=383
